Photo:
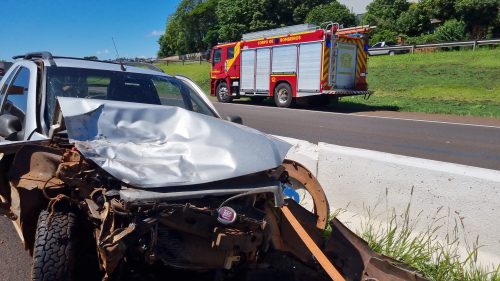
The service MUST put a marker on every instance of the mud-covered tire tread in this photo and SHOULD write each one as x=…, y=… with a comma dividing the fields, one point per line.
x=54, y=253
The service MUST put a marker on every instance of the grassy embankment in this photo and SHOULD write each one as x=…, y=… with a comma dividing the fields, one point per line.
x=454, y=82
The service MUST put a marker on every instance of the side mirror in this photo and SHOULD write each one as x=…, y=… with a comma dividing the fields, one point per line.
x=10, y=125
x=234, y=119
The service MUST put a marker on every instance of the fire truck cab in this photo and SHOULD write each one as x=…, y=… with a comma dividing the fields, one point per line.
x=292, y=62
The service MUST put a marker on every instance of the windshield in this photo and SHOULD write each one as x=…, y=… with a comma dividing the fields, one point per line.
x=119, y=86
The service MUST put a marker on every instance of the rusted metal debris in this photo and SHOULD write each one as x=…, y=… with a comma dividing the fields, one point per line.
x=189, y=233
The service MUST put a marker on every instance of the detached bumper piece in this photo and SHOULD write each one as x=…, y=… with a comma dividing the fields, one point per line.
x=343, y=256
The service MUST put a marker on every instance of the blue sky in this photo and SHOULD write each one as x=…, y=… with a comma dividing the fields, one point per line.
x=84, y=27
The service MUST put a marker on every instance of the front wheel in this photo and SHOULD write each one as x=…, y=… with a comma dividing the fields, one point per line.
x=283, y=96
x=223, y=94
x=54, y=249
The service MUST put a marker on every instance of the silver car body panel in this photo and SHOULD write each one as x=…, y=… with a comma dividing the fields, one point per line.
x=199, y=92
x=150, y=146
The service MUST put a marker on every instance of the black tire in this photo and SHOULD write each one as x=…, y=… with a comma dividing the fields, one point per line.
x=223, y=93
x=54, y=249
x=283, y=96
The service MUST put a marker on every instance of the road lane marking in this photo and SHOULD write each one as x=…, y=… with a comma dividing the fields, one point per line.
x=367, y=116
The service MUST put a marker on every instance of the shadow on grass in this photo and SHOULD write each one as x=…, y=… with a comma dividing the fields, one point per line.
x=341, y=106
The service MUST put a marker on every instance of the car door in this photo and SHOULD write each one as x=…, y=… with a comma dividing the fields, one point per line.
x=16, y=123
x=218, y=61
x=374, y=49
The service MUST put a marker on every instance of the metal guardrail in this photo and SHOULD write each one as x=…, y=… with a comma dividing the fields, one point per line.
x=185, y=61
x=474, y=44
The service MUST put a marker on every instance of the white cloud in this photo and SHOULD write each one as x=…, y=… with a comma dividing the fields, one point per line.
x=155, y=33
x=103, y=52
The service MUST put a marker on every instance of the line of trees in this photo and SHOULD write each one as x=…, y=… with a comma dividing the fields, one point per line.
x=197, y=25
x=431, y=21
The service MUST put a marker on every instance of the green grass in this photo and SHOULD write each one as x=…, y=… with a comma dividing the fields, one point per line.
x=435, y=258
x=200, y=73
x=454, y=82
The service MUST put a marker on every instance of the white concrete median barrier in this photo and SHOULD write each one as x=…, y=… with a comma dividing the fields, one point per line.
x=455, y=197
x=304, y=152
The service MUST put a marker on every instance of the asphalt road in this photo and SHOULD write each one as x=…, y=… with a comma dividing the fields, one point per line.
x=15, y=262
x=452, y=141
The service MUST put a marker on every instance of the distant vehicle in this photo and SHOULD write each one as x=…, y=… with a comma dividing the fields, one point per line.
x=292, y=62
x=374, y=50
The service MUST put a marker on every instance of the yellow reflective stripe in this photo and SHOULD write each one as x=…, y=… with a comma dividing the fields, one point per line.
x=326, y=65
x=236, y=53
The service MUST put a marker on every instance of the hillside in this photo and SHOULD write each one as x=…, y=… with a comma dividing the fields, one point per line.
x=454, y=82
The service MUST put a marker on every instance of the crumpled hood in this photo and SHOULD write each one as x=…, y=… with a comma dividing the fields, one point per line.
x=158, y=146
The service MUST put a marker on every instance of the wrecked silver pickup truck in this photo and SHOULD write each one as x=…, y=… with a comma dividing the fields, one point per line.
x=106, y=167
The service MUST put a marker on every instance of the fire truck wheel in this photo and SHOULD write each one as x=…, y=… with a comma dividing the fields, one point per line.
x=223, y=93
x=283, y=96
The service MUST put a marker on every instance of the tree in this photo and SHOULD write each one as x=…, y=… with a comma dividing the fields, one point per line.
x=415, y=21
x=478, y=15
x=90, y=58
x=439, y=9
x=384, y=13
x=451, y=30
x=333, y=11
x=233, y=17
x=192, y=28
x=236, y=17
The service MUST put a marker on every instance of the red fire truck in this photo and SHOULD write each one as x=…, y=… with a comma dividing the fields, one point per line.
x=292, y=62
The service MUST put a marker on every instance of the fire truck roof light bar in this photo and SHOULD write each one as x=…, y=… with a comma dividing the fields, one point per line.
x=279, y=31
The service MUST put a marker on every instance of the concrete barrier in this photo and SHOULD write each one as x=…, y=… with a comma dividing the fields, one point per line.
x=304, y=152
x=463, y=200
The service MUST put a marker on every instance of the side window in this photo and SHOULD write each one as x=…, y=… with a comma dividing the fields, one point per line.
x=230, y=53
x=6, y=85
x=378, y=45
x=17, y=94
x=217, y=56
x=169, y=93
x=97, y=87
